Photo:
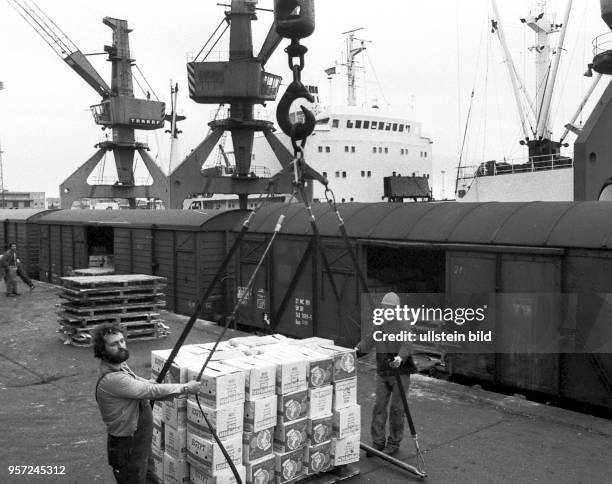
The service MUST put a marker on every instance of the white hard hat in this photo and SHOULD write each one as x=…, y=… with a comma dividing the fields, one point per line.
x=390, y=299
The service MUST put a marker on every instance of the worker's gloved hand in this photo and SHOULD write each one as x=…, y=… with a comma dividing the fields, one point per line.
x=395, y=362
x=192, y=387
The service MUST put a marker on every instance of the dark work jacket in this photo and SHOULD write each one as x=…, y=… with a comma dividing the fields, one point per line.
x=388, y=350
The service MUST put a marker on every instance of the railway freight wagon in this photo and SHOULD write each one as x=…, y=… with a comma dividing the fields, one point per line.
x=561, y=250
x=20, y=227
x=184, y=246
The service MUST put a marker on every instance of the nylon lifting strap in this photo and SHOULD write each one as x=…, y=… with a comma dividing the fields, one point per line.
x=228, y=320
x=204, y=298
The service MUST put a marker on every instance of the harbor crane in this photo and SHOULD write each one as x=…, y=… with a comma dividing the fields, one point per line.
x=240, y=82
x=119, y=111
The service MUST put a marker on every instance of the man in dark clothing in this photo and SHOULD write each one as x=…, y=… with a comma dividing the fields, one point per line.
x=10, y=268
x=392, y=357
x=123, y=399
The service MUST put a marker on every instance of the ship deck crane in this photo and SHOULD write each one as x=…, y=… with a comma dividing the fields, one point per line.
x=119, y=111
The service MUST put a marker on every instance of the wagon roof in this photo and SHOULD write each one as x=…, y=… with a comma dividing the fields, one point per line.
x=21, y=214
x=132, y=218
x=536, y=224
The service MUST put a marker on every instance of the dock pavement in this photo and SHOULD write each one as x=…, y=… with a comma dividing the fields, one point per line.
x=49, y=415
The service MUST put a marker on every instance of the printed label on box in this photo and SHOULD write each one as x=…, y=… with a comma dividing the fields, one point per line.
x=206, y=454
x=320, y=401
x=289, y=465
x=261, y=471
x=226, y=421
x=320, y=367
x=291, y=435
x=293, y=406
x=345, y=393
x=260, y=377
x=318, y=457
x=256, y=445
x=344, y=361
x=345, y=451
x=199, y=476
x=260, y=414
x=320, y=429
x=290, y=372
x=347, y=421
x=221, y=384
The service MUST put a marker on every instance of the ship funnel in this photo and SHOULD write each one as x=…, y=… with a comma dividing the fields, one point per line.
x=606, y=12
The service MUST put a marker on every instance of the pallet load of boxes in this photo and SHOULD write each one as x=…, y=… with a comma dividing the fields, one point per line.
x=132, y=300
x=285, y=410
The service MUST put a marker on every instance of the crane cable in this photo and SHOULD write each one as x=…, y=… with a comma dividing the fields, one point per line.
x=147, y=82
x=210, y=38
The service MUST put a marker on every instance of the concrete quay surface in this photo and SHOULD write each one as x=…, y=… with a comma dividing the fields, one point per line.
x=50, y=418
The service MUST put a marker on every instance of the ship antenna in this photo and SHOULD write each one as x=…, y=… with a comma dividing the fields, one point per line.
x=351, y=52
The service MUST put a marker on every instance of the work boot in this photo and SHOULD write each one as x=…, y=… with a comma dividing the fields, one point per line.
x=380, y=447
x=391, y=449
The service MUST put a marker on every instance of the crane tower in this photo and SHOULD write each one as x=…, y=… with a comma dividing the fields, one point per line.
x=119, y=111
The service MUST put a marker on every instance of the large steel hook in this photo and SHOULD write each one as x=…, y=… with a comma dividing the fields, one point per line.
x=302, y=129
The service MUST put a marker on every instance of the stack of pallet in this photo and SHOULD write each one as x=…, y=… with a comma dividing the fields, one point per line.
x=285, y=410
x=132, y=300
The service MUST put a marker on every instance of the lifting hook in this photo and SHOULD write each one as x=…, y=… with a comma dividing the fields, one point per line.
x=302, y=129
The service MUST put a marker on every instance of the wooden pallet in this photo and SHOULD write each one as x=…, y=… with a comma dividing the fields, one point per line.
x=100, y=310
x=112, y=291
x=132, y=300
x=93, y=271
x=102, y=299
x=134, y=332
x=337, y=474
x=107, y=318
x=116, y=281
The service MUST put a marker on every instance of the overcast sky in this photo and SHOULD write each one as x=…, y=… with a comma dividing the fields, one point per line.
x=426, y=55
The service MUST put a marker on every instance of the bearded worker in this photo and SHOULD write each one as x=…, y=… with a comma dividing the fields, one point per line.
x=123, y=399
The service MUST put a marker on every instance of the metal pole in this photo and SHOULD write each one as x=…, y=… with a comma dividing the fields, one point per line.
x=544, y=115
x=596, y=80
x=514, y=79
x=392, y=460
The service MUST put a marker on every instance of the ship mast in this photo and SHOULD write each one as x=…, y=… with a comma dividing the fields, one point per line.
x=543, y=129
x=547, y=65
x=351, y=52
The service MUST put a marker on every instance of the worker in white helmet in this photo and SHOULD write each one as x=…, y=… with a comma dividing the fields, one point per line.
x=391, y=358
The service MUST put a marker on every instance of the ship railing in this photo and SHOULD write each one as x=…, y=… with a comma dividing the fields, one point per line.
x=217, y=55
x=259, y=113
x=519, y=165
x=108, y=138
x=110, y=180
x=602, y=43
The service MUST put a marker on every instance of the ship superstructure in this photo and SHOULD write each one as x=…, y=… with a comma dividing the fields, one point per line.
x=357, y=147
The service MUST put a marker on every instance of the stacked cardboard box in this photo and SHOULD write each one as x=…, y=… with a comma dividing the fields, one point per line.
x=283, y=409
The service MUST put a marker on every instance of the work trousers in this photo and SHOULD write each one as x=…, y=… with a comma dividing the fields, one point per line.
x=10, y=278
x=129, y=456
x=386, y=389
